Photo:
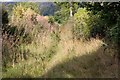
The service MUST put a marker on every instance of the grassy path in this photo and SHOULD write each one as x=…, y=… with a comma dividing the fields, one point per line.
x=68, y=50
x=65, y=58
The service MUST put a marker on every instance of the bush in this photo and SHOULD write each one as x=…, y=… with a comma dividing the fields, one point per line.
x=17, y=34
x=114, y=33
x=61, y=16
x=81, y=28
x=4, y=15
x=88, y=25
x=12, y=39
x=51, y=20
x=97, y=26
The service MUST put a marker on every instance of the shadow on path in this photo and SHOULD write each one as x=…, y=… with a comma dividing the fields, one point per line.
x=93, y=65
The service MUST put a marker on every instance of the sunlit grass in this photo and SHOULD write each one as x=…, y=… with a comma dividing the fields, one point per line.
x=50, y=57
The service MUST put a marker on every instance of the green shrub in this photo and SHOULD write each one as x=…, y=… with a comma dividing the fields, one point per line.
x=81, y=27
x=51, y=20
x=88, y=25
x=97, y=26
x=114, y=33
x=61, y=16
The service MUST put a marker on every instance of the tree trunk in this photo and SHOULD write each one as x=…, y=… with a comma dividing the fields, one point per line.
x=71, y=9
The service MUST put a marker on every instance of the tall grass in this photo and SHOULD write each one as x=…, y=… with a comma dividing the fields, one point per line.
x=43, y=50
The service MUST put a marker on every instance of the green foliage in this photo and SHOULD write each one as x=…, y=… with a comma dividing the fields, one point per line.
x=61, y=16
x=97, y=26
x=75, y=7
x=16, y=35
x=114, y=32
x=9, y=7
x=4, y=15
x=51, y=20
x=19, y=40
x=49, y=53
x=55, y=36
x=23, y=14
x=12, y=39
x=81, y=27
x=109, y=17
x=88, y=24
x=32, y=5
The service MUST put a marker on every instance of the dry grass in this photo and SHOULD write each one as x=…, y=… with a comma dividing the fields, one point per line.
x=70, y=58
x=67, y=49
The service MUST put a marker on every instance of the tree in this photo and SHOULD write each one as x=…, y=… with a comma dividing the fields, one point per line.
x=109, y=14
x=72, y=6
x=24, y=14
x=82, y=26
x=71, y=12
x=32, y=5
x=4, y=15
x=66, y=10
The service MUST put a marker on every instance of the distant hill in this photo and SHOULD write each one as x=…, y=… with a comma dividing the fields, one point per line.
x=7, y=3
x=46, y=8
